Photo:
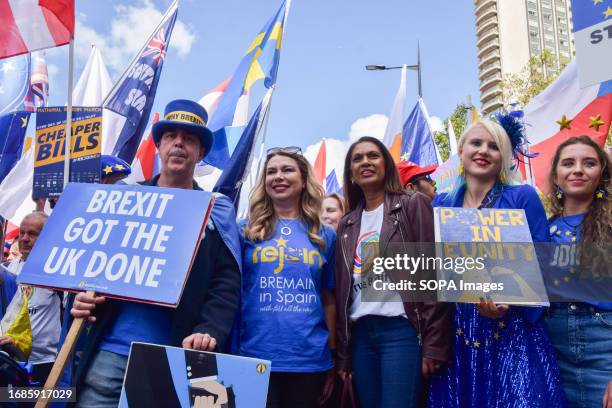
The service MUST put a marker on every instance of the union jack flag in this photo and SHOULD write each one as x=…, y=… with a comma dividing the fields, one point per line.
x=133, y=95
x=156, y=47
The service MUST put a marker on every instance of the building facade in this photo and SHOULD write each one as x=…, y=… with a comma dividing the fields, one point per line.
x=509, y=32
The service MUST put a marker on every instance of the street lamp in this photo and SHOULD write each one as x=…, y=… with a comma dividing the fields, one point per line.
x=417, y=67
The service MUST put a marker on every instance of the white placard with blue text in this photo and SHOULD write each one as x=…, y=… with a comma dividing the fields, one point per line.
x=126, y=241
x=592, y=23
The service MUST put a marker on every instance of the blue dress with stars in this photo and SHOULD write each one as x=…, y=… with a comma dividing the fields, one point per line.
x=506, y=362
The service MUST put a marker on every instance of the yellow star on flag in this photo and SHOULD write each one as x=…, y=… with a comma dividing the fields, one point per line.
x=596, y=122
x=476, y=344
x=564, y=122
x=24, y=122
x=565, y=279
x=404, y=156
x=496, y=335
x=608, y=12
x=108, y=170
x=501, y=325
x=568, y=233
x=556, y=282
x=467, y=342
x=281, y=242
x=119, y=166
x=459, y=331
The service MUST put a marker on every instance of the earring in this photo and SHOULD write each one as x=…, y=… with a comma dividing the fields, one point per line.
x=461, y=169
x=600, y=193
x=559, y=193
x=502, y=179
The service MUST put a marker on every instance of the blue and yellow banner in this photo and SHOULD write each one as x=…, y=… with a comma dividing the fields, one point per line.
x=487, y=252
x=50, y=141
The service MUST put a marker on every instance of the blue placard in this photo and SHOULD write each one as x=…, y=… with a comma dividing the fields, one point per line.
x=133, y=242
x=487, y=252
x=50, y=144
x=190, y=378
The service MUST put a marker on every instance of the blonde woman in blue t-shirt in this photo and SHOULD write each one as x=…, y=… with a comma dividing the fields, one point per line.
x=288, y=312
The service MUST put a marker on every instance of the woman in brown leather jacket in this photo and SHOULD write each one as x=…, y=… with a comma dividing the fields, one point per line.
x=388, y=344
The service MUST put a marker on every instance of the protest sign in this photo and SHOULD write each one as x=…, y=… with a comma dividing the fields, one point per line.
x=592, y=27
x=487, y=252
x=126, y=241
x=174, y=377
x=50, y=143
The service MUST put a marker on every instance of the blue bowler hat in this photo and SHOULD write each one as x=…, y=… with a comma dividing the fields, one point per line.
x=188, y=115
x=113, y=165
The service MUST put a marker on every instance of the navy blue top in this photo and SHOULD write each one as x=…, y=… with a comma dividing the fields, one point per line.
x=561, y=232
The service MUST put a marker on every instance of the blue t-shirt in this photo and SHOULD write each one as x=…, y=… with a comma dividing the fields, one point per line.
x=282, y=309
x=9, y=287
x=567, y=230
x=138, y=322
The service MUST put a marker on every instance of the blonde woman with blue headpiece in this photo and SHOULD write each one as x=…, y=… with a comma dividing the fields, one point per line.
x=502, y=356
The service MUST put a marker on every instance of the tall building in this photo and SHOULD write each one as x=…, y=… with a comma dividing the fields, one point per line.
x=509, y=32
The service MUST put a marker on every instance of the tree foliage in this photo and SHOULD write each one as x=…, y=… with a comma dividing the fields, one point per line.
x=540, y=71
x=459, y=119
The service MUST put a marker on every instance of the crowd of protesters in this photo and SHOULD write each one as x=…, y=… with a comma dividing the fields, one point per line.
x=285, y=284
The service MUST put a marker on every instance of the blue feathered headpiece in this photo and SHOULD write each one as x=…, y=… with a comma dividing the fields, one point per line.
x=514, y=125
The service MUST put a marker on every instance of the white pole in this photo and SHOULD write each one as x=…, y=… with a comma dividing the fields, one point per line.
x=68, y=140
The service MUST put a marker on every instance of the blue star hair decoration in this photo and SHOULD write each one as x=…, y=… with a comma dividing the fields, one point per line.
x=514, y=125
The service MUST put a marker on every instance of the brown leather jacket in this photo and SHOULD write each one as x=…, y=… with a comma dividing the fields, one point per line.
x=412, y=212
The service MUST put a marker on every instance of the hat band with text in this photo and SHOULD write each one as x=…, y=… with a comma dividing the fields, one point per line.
x=184, y=116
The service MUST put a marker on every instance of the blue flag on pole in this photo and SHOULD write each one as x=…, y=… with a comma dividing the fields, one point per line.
x=418, y=144
x=14, y=83
x=133, y=96
x=331, y=183
x=13, y=128
x=260, y=62
x=231, y=179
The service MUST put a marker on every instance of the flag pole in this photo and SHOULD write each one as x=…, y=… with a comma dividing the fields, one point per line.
x=68, y=140
x=265, y=130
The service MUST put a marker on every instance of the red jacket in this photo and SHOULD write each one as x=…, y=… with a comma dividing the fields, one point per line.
x=407, y=218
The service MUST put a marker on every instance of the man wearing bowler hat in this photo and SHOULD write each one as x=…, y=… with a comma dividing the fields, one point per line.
x=204, y=317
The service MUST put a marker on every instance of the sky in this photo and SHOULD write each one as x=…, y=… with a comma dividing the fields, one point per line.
x=323, y=89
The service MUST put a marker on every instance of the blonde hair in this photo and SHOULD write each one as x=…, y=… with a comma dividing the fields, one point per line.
x=507, y=174
x=262, y=218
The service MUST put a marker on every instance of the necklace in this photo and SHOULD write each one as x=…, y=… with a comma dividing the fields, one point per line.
x=573, y=227
x=285, y=229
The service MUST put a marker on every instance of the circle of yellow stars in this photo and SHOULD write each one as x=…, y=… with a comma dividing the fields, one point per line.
x=497, y=333
x=109, y=169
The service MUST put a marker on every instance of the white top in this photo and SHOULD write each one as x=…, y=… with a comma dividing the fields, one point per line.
x=44, y=311
x=388, y=303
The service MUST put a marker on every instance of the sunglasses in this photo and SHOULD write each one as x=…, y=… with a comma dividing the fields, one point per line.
x=426, y=178
x=288, y=149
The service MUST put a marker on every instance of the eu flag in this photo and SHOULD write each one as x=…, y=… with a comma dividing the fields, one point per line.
x=14, y=82
x=260, y=62
x=12, y=134
x=418, y=144
x=231, y=179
